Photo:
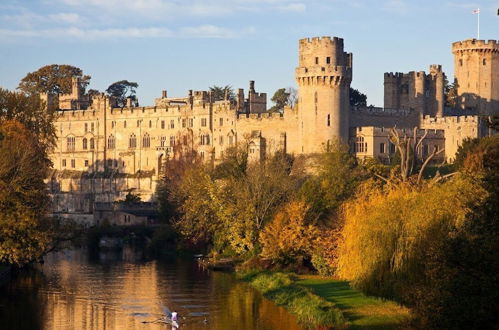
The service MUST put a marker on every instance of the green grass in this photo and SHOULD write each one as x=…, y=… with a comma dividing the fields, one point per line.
x=310, y=309
x=362, y=312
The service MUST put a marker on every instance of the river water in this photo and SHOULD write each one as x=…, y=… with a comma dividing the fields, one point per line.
x=123, y=291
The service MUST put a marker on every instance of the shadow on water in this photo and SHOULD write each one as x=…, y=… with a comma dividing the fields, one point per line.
x=124, y=290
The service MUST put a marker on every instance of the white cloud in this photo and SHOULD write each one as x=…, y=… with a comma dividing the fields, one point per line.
x=74, y=33
x=294, y=7
x=70, y=18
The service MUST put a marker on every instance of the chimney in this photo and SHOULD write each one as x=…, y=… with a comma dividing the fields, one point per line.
x=252, y=86
x=164, y=94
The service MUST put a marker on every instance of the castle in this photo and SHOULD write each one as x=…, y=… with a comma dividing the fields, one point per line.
x=104, y=151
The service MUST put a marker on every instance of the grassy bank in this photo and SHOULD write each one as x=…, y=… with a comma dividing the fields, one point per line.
x=309, y=308
x=322, y=302
x=362, y=312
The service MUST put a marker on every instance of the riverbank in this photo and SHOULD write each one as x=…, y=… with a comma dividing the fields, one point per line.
x=327, y=303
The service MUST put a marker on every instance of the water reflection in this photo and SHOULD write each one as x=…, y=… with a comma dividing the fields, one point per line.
x=121, y=291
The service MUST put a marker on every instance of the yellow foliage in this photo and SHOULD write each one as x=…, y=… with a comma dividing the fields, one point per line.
x=386, y=232
x=288, y=237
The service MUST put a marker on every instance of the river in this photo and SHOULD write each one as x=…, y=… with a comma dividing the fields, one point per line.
x=72, y=290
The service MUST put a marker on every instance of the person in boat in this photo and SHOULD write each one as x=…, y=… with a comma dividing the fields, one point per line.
x=174, y=316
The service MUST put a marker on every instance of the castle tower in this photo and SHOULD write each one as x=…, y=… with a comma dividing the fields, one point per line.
x=323, y=75
x=476, y=67
x=437, y=87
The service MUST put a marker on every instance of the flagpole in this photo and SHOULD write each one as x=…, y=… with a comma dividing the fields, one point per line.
x=478, y=34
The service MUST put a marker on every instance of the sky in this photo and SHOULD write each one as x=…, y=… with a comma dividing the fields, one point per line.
x=177, y=45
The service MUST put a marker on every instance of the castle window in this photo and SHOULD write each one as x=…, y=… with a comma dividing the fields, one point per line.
x=113, y=123
x=172, y=141
x=63, y=163
x=163, y=141
x=184, y=138
x=392, y=148
x=111, y=142
x=146, y=141
x=316, y=60
x=92, y=144
x=460, y=62
x=162, y=124
x=360, y=145
x=132, y=141
x=109, y=163
x=382, y=148
x=86, y=127
x=328, y=60
x=86, y=162
x=184, y=123
x=484, y=62
x=191, y=122
x=70, y=142
x=172, y=123
x=203, y=122
x=92, y=127
x=328, y=120
x=221, y=140
x=231, y=140
x=316, y=97
x=221, y=121
x=205, y=140
x=138, y=123
x=115, y=163
x=84, y=143
x=150, y=124
x=124, y=124
x=73, y=163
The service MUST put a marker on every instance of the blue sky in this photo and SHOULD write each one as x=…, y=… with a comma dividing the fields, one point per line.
x=179, y=45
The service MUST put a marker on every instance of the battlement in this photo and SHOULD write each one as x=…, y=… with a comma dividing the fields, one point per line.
x=429, y=120
x=379, y=111
x=401, y=75
x=477, y=45
x=260, y=116
x=330, y=70
x=321, y=40
x=435, y=68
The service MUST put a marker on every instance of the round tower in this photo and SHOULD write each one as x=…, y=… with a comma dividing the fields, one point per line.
x=323, y=75
x=476, y=67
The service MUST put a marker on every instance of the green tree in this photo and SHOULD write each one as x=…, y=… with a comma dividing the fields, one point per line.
x=122, y=90
x=31, y=112
x=52, y=79
x=450, y=93
x=357, y=99
x=218, y=93
x=280, y=99
x=24, y=201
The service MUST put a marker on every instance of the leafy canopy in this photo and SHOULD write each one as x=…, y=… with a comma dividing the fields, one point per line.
x=122, y=90
x=52, y=79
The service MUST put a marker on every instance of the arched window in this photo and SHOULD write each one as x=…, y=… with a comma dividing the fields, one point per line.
x=84, y=143
x=111, y=142
x=146, y=141
x=328, y=120
x=70, y=143
x=132, y=141
x=92, y=144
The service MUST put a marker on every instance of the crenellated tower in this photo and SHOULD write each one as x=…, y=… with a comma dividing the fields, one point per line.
x=323, y=75
x=476, y=67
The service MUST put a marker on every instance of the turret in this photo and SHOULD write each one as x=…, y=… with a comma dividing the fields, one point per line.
x=476, y=67
x=324, y=75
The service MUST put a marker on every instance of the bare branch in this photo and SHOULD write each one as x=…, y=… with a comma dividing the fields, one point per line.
x=426, y=162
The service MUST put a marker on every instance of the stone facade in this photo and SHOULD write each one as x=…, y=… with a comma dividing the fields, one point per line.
x=103, y=151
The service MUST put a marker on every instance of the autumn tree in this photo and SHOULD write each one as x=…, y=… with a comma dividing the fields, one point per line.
x=290, y=237
x=24, y=202
x=280, y=99
x=52, y=79
x=122, y=90
x=30, y=111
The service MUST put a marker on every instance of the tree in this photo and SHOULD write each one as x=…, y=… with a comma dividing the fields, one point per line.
x=450, y=93
x=289, y=238
x=357, y=99
x=281, y=99
x=24, y=201
x=52, y=79
x=219, y=93
x=30, y=111
x=122, y=90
